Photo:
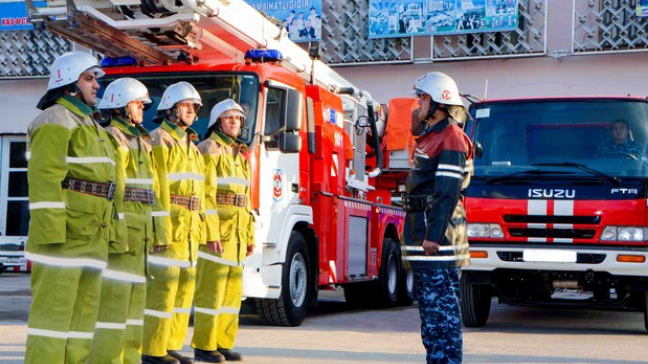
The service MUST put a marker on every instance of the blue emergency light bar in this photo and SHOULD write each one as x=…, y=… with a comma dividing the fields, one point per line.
x=264, y=55
x=118, y=62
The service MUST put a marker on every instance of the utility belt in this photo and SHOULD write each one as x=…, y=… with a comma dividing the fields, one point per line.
x=190, y=202
x=97, y=189
x=231, y=199
x=416, y=203
x=146, y=196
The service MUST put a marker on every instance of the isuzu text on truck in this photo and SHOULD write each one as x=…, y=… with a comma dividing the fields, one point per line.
x=557, y=206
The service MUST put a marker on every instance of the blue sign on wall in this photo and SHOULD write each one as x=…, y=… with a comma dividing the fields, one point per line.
x=302, y=19
x=13, y=15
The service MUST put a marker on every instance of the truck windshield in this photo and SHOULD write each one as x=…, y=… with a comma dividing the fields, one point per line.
x=213, y=88
x=606, y=135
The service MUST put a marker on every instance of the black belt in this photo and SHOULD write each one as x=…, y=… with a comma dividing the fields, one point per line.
x=139, y=195
x=98, y=189
x=416, y=203
x=231, y=199
x=190, y=202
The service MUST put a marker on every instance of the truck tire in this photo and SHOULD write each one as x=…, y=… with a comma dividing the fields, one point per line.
x=291, y=306
x=475, y=304
x=406, y=287
x=389, y=273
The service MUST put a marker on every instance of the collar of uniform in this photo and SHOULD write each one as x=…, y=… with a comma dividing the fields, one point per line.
x=226, y=140
x=74, y=105
x=125, y=127
x=178, y=132
x=438, y=127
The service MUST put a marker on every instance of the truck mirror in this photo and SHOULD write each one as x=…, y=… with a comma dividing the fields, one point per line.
x=294, y=109
x=479, y=149
x=289, y=142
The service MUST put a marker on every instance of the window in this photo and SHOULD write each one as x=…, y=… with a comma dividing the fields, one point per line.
x=14, y=203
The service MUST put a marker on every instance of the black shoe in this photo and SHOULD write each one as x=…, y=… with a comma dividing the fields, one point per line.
x=230, y=355
x=148, y=359
x=180, y=357
x=208, y=356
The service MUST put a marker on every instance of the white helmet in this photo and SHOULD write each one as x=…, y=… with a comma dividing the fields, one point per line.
x=67, y=68
x=221, y=107
x=440, y=87
x=122, y=91
x=178, y=92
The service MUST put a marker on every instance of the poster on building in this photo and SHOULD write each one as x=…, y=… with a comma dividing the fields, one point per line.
x=642, y=8
x=398, y=18
x=301, y=18
x=13, y=15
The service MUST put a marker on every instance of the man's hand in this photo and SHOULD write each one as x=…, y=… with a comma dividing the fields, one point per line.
x=430, y=247
x=250, y=250
x=159, y=248
x=215, y=247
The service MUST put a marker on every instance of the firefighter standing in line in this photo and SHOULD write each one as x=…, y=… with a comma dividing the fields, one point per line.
x=435, y=244
x=180, y=170
x=220, y=263
x=71, y=176
x=118, y=337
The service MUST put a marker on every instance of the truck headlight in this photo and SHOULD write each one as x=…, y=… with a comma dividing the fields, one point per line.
x=623, y=233
x=485, y=231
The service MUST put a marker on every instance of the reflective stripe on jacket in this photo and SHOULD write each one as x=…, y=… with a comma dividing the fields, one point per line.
x=228, y=173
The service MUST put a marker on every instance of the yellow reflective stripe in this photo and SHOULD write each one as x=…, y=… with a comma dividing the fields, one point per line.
x=60, y=334
x=110, y=326
x=46, y=205
x=233, y=180
x=133, y=322
x=449, y=174
x=223, y=310
x=66, y=262
x=182, y=310
x=89, y=160
x=215, y=259
x=185, y=175
x=160, y=213
x=122, y=276
x=447, y=258
x=159, y=314
x=140, y=181
x=167, y=262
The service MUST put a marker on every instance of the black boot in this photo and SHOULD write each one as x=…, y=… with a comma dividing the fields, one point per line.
x=208, y=356
x=148, y=359
x=230, y=355
x=180, y=357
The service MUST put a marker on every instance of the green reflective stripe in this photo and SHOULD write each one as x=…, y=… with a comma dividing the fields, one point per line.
x=74, y=105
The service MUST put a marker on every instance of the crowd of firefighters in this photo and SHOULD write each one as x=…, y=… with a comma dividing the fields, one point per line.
x=130, y=230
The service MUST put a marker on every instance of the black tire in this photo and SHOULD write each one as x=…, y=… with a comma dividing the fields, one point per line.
x=475, y=304
x=645, y=309
x=389, y=273
x=406, y=287
x=292, y=305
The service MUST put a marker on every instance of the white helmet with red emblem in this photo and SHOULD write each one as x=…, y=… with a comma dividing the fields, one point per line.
x=441, y=87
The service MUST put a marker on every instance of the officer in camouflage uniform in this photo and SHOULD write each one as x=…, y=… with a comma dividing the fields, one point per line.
x=622, y=143
x=435, y=244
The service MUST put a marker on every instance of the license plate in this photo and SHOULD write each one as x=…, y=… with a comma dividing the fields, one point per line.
x=15, y=261
x=549, y=255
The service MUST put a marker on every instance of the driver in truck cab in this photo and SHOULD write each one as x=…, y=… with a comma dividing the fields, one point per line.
x=622, y=143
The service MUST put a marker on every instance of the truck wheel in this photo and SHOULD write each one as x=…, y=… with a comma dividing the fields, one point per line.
x=291, y=306
x=406, y=287
x=388, y=276
x=475, y=304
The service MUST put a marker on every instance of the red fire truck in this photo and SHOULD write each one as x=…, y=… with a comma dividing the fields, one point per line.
x=321, y=195
x=557, y=206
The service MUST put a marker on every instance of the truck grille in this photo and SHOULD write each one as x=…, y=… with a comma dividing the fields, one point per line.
x=581, y=258
x=552, y=233
x=541, y=219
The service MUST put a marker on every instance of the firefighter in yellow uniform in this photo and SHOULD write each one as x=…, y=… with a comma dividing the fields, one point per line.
x=118, y=336
x=71, y=176
x=180, y=170
x=220, y=263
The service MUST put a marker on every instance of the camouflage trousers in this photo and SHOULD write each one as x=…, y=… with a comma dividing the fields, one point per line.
x=437, y=293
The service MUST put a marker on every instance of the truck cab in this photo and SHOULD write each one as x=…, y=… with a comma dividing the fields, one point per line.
x=556, y=208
